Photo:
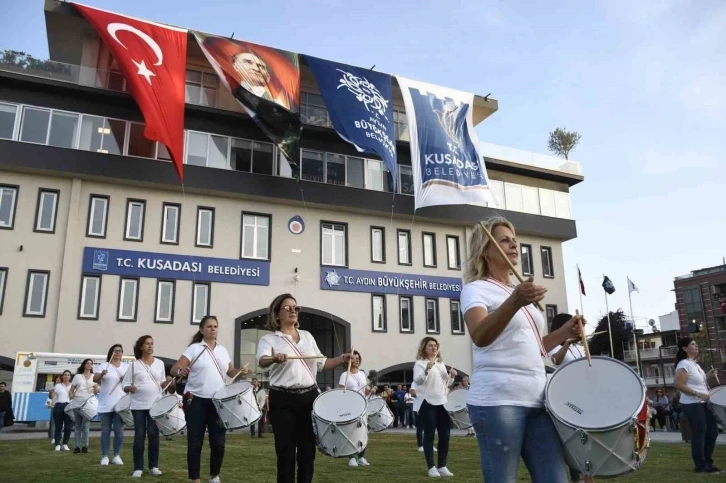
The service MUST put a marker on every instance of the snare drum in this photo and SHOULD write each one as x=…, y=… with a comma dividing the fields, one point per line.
x=718, y=403
x=340, y=423
x=89, y=408
x=380, y=416
x=237, y=406
x=457, y=409
x=123, y=409
x=168, y=416
x=598, y=413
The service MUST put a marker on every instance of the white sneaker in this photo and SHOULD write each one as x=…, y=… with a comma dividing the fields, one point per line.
x=420, y=449
x=57, y=448
x=363, y=462
x=352, y=462
x=136, y=474
x=435, y=450
x=434, y=473
x=104, y=461
x=52, y=441
x=215, y=480
x=445, y=472
x=117, y=460
x=155, y=472
x=66, y=448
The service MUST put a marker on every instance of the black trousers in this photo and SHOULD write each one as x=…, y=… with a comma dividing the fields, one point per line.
x=260, y=426
x=419, y=429
x=63, y=423
x=201, y=415
x=291, y=416
x=433, y=419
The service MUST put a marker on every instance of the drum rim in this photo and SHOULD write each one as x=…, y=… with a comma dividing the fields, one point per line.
x=228, y=398
x=320, y=418
x=167, y=411
x=448, y=399
x=599, y=428
x=714, y=391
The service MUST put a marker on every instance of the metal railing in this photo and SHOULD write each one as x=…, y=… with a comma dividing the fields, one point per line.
x=658, y=380
x=519, y=156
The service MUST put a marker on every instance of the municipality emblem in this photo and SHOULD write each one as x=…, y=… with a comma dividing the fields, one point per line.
x=332, y=278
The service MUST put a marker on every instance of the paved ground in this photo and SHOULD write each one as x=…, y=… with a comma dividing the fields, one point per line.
x=21, y=432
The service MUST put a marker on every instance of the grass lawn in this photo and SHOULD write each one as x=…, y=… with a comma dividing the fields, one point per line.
x=393, y=458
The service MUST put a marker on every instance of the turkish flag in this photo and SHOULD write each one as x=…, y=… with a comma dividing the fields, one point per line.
x=153, y=60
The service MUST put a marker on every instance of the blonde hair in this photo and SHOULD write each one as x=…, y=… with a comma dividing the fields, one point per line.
x=477, y=267
x=421, y=354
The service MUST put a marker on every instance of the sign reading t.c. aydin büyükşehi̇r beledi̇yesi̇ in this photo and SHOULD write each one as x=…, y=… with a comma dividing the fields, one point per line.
x=176, y=267
x=347, y=280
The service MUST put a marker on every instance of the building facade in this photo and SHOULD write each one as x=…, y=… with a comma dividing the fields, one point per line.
x=100, y=243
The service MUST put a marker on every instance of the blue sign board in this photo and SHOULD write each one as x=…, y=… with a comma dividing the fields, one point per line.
x=176, y=267
x=347, y=280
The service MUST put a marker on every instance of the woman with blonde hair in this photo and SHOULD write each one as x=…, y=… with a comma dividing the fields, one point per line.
x=506, y=397
x=432, y=384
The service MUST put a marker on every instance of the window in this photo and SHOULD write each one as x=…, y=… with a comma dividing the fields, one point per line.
x=200, y=302
x=432, y=316
x=335, y=169
x=255, y=236
x=201, y=88
x=8, y=112
x=102, y=135
x=547, y=267
x=252, y=157
x=46, y=126
x=207, y=150
x=205, y=227
x=312, y=110
x=400, y=122
x=139, y=145
x=8, y=199
x=164, y=301
x=3, y=279
x=135, y=220
x=97, y=216
x=170, y=223
x=406, y=312
x=429, y=249
x=526, y=256
x=334, y=244
x=452, y=248
x=405, y=175
x=356, y=172
x=404, y=247
x=36, y=293
x=35, y=125
x=457, y=321
x=379, y=313
x=313, y=166
x=378, y=244
x=378, y=177
x=128, y=299
x=694, y=305
x=90, y=294
x=46, y=210
x=551, y=312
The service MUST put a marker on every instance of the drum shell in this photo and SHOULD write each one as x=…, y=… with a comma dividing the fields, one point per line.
x=240, y=410
x=718, y=403
x=123, y=409
x=381, y=419
x=457, y=409
x=169, y=421
x=89, y=409
x=341, y=439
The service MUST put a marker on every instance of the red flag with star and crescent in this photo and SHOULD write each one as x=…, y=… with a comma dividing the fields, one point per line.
x=153, y=60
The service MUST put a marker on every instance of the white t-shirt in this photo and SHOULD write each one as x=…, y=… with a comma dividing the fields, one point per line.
x=296, y=373
x=510, y=371
x=356, y=382
x=573, y=353
x=208, y=374
x=148, y=381
x=62, y=394
x=431, y=388
x=84, y=387
x=696, y=380
x=111, y=386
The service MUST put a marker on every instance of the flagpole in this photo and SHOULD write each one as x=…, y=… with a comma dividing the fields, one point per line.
x=610, y=332
x=635, y=337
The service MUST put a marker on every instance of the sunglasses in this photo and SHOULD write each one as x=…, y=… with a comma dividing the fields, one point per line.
x=118, y=351
x=291, y=308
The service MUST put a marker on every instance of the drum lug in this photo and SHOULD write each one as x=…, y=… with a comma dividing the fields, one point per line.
x=583, y=437
x=360, y=424
x=239, y=400
x=588, y=466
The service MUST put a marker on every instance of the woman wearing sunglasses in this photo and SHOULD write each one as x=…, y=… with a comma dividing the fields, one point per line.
x=293, y=388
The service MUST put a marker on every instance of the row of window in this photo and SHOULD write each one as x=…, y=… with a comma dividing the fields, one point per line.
x=527, y=260
x=403, y=237
x=406, y=315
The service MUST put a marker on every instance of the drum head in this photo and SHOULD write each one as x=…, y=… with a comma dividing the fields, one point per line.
x=163, y=405
x=375, y=404
x=605, y=395
x=232, y=390
x=123, y=403
x=77, y=402
x=337, y=406
x=456, y=400
x=718, y=396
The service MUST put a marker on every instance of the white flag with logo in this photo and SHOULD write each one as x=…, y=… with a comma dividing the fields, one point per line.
x=447, y=168
x=632, y=287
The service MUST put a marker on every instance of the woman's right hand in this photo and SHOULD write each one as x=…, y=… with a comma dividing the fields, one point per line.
x=429, y=366
x=183, y=372
x=280, y=358
x=703, y=396
x=131, y=389
x=527, y=293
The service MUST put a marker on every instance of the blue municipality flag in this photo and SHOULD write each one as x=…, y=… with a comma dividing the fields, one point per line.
x=360, y=106
x=447, y=168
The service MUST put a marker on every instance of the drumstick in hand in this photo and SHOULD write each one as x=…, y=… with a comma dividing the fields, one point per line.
x=584, y=337
x=238, y=373
x=715, y=374
x=347, y=373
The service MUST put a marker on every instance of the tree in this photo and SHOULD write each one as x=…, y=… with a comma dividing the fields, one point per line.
x=562, y=141
x=26, y=62
x=600, y=344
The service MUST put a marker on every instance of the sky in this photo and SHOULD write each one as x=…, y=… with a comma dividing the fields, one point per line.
x=642, y=82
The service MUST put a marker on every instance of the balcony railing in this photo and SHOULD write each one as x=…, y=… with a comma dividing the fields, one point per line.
x=658, y=381
x=668, y=352
x=519, y=156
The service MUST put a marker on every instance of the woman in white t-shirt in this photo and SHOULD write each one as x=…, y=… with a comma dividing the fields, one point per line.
x=82, y=387
x=60, y=394
x=506, y=397
x=357, y=381
x=205, y=377
x=144, y=380
x=691, y=381
x=110, y=376
x=432, y=385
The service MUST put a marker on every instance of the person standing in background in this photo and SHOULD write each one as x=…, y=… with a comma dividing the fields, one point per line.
x=82, y=387
x=400, y=404
x=6, y=404
x=408, y=401
x=261, y=404
x=110, y=376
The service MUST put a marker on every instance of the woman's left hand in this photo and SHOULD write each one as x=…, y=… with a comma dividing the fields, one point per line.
x=345, y=357
x=572, y=328
x=453, y=373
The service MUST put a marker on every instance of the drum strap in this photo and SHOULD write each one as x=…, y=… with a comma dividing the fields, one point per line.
x=527, y=314
x=216, y=363
x=302, y=361
x=148, y=371
x=120, y=377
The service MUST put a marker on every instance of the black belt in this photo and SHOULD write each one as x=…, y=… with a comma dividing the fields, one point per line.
x=294, y=390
